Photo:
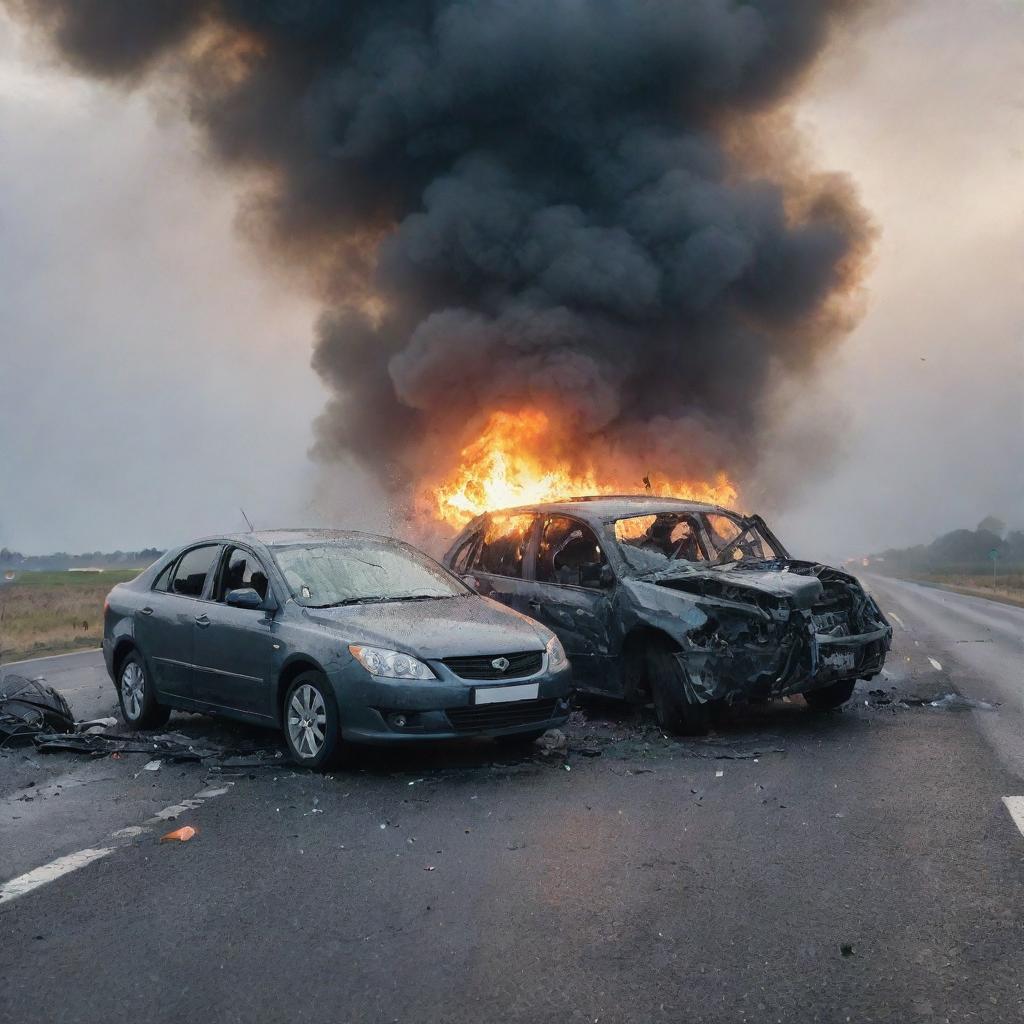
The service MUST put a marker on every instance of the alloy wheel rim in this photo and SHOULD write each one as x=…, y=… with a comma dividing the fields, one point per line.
x=133, y=688
x=307, y=721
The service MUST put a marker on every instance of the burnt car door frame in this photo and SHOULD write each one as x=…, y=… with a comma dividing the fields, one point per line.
x=512, y=591
x=583, y=618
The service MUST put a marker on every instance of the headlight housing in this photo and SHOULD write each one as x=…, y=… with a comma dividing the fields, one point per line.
x=379, y=661
x=556, y=655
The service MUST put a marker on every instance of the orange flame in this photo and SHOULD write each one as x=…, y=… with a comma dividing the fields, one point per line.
x=516, y=460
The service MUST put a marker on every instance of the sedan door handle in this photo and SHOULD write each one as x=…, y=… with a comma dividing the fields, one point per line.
x=202, y=621
x=145, y=611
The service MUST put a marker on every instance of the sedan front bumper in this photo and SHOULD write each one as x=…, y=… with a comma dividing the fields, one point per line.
x=386, y=711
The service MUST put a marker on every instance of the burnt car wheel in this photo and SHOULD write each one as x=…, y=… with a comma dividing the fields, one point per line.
x=137, y=695
x=665, y=679
x=311, y=728
x=829, y=697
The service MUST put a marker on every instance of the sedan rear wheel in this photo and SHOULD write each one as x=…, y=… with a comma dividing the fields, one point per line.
x=311, y=728
x=138, y=696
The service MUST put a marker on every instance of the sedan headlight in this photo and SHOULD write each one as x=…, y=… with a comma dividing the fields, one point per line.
x=391, y=664
x=556, y=655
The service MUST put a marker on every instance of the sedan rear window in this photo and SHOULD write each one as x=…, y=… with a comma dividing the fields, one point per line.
x=327, y=574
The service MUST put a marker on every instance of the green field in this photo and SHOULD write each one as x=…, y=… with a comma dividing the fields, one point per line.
x=1007, y=587
x=53, y=612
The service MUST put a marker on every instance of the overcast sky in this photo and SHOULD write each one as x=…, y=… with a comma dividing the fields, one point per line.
x=154, y=376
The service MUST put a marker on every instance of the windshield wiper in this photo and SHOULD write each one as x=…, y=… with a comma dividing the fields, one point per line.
x=418, y=597
x=347, y=600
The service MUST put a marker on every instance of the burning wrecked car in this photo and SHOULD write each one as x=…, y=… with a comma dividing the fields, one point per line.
x=683, y=603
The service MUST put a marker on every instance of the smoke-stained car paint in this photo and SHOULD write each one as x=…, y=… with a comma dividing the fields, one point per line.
x=684, y=602
x=231, y=625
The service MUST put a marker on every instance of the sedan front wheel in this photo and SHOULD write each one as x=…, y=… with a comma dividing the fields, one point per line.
x=311, y=728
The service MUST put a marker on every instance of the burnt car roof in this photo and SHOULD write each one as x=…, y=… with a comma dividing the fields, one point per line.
x=607, y=507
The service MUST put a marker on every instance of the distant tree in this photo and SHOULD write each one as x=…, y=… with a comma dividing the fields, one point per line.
x=993, y=524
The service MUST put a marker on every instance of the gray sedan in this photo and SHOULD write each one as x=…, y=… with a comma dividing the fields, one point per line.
x=337, y=638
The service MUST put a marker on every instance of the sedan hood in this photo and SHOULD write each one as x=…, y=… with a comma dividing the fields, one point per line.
x=456, y=626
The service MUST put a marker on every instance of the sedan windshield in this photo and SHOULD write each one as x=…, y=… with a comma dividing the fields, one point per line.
x=325, y=574
x=654, y=542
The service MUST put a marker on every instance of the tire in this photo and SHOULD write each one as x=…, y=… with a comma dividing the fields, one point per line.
x=521, y=739
x=137, y=695
x=312, y=731
x=675, y=713
x=829, y=697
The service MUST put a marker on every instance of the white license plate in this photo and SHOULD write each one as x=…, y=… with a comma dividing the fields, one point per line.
x=501, y=694
x=839, y=661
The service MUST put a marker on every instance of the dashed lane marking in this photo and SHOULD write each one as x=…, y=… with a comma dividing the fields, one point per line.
x=896, y=618
x=50, y=872
x=1015, y=805
x=936, y=665
x=73, y=861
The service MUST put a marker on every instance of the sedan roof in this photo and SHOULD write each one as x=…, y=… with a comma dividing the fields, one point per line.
x=278, y=538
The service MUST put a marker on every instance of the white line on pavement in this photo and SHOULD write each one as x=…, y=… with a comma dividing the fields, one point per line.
x=49, y=872
x=1015, y=805
x=936, y=665
x=50, y=657
x=896, y=618
x=73, y=861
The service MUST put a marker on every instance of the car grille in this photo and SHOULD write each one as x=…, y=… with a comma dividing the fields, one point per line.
x=500, y=716
x=479, y=666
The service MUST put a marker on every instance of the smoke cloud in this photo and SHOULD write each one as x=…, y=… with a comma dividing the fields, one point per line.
x=580, y=206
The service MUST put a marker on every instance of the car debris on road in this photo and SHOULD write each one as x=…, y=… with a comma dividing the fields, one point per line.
x=27, y=707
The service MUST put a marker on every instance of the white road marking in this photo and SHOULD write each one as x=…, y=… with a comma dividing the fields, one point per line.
x=50, y=872
x=73, y=861
x=1015, y=805
x=936, y=665
x=896, y=618
x=50, y=657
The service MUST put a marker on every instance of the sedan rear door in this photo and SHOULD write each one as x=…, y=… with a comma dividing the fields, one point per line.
x=233, y=646
x=166, y=622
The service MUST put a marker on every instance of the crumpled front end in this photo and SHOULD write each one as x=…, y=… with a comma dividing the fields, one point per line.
x=773, y=631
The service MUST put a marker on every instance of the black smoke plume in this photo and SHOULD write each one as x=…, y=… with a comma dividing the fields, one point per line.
x=593, y=207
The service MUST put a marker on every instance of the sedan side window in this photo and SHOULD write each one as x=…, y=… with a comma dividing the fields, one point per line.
x=241, y=569
x=195, y=565
x=163, y=581
x=569, y=554
x=505, y=540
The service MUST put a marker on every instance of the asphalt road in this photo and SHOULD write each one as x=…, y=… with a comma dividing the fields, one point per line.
x=857, y=865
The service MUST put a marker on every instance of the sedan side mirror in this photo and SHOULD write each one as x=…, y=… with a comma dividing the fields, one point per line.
x=245, y=597
x=472, y=582
x=607, y=577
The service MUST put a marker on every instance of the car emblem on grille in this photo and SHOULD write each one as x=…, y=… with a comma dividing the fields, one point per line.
x=500, y=664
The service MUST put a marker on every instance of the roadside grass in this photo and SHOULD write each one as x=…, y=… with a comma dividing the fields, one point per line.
x=1008, y=587
x=54, y=612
